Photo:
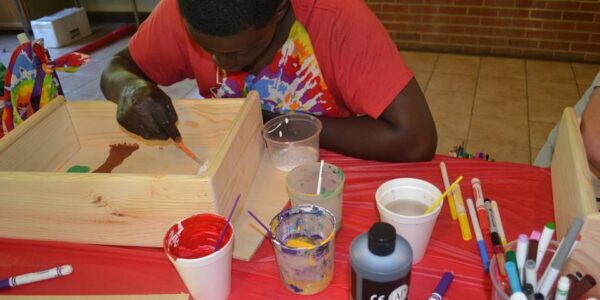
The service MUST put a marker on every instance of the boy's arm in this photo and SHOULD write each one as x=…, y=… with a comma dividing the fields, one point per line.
x=142, y=107
x=590, y=129
x=404, y=132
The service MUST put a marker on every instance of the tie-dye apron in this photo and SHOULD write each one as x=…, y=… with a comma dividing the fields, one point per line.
x=292, y=82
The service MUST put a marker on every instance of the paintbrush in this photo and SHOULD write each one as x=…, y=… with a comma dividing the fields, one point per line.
x=173, y=132
x=187, y=151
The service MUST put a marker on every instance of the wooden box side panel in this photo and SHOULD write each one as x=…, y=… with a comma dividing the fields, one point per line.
x=107, y=209
x=571, y=178
x=43, y=142
x=201, y=122
x=586, y=257
x=239, y=157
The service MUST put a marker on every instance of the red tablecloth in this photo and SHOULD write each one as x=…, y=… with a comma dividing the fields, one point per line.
x=524, y=195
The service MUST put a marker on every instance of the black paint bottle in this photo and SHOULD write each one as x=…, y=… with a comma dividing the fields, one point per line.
x=380, y=265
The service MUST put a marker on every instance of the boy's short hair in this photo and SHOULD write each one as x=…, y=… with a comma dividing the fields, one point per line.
x=227, y=17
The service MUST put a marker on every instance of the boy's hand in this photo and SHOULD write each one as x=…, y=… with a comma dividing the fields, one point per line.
x=146, y=110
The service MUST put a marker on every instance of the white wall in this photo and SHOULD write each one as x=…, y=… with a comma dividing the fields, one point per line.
x=118, y=5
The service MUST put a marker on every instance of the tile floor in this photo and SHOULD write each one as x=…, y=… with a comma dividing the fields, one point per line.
x=502, y=106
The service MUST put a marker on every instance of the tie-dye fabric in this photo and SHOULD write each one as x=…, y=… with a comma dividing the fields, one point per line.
x=292, y=82
x=31, y=82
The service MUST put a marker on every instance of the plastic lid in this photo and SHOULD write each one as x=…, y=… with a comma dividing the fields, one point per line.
x=382, y=239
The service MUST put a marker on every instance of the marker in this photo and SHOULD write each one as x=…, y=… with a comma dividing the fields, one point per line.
x=530, y=273
x=451, y=203
x=534, y=239
x=585, y=284
x=575, y=245
x=528, y=290
x=498, y=222
x=522, y=243
x=559, y=258
x=544, y=241
x=463, y=220
x=481, y=214
x=538, y=296
x=518, y=296
x=442, y=287
x=490, y=215
x=499, y=252
x=562, y=288
x=35, y=277
x=511, y=256
x=478, y=236
x=513, y=276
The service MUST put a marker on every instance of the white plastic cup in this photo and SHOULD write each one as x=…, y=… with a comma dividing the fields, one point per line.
x=292, y=140
x=207, y=277
x=415, y=226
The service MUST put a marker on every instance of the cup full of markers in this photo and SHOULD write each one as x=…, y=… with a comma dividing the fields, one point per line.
x=530, y=267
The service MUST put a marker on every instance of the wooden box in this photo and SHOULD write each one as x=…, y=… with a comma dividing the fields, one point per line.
x=151, y=190
x=574, y=198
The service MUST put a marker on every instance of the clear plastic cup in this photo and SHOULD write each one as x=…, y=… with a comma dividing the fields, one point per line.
x=500, y=286
x=303, y=240
x=190, y=246
x=292, y=140
x=302, y=183
x=402, y=202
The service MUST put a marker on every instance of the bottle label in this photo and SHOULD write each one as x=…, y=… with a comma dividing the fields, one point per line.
x=373, y=290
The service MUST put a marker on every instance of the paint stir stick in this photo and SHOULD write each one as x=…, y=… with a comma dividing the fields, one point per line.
x=261, y=224
x=441, y=197
x=320, y=178
x=222, y=235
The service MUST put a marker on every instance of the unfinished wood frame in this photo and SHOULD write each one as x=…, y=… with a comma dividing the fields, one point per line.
x=153, y=189
x=574, y=197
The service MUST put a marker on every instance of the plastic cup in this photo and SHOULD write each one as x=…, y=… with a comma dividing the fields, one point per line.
x=292, y=140
x=303, y=240
x=302, y=183
x=190, y=246
x=402, y=202
x=500, y=289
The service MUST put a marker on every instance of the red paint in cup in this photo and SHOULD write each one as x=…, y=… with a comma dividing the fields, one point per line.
x=195, y=236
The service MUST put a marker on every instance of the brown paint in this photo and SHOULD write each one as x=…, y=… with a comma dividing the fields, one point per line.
x=118, y=153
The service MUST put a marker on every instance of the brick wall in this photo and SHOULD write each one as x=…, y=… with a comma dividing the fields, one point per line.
x=553, y=29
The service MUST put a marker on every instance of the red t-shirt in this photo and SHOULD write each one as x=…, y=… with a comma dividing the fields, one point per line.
x=360, y=63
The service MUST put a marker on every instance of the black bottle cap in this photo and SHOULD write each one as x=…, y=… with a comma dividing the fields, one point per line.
x=382, y=239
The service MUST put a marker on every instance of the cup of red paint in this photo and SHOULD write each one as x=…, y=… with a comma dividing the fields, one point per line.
x=190, y=246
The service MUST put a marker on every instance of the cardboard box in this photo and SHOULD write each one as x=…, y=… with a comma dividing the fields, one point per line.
x=62, y=28
x=152, y=189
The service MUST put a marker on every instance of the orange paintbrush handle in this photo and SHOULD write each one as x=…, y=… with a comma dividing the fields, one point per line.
x=188, y=151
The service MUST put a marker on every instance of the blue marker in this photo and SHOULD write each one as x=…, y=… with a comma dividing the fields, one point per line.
x=442, y=287
x=513, y=276
x=478, y=235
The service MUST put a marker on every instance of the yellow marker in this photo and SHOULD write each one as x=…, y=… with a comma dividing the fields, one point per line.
x=441, y=197
x=451, y=200
x=463, y=221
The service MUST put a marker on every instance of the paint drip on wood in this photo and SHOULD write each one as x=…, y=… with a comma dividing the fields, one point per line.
x=118, y=153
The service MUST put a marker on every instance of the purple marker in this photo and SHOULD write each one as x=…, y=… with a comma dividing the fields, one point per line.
x=442, y=287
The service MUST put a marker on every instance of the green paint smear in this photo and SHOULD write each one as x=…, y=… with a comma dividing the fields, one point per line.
x=78, y=169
